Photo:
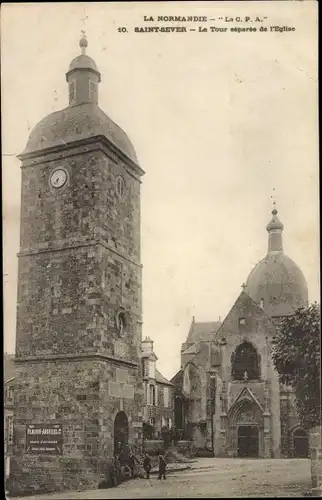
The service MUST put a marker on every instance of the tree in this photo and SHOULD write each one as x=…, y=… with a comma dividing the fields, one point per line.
x=297, y=356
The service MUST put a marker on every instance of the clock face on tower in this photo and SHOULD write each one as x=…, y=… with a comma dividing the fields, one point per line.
x=58, y=178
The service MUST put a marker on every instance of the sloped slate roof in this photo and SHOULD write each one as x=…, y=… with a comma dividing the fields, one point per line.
x=193, y=349
x=177, y=378
x=202, y=331
x=161, y=379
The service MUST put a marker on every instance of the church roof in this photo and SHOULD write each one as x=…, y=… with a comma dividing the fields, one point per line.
x=161, y=379
x=76, y=123
x=83, y=118
x=280, y=283
x=202, y=331
x=193, y=349
x=8, y=366
x=276, y=281
x=83, y=62
x=177, y=378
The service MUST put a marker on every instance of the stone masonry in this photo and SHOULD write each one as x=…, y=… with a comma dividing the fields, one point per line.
x=79, y=313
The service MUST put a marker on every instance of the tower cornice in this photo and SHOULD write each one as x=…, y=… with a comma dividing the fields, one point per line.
x=99, y=142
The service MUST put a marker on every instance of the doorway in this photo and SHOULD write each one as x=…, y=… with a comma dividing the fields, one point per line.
x=247, y=441
x=121, y=432
x=301, y=444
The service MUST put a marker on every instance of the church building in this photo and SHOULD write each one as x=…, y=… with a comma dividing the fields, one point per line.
x=78, y=378
x=228, y=396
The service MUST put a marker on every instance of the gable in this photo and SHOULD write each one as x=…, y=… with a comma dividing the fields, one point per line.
x=246, y=395
x=254, y=319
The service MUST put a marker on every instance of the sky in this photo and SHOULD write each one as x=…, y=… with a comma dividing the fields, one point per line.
x=220, y=123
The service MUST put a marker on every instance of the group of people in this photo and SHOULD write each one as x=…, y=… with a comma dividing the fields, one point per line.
x=126, y=462
x=162, y=465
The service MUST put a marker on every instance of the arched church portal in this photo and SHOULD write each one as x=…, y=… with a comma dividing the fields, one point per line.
x=245, y=363
x=248, y=441
x=300, y=443
x=121, y=432
x=246, y=430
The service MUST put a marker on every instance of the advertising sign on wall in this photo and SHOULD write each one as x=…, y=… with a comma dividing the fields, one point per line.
x=44, y=439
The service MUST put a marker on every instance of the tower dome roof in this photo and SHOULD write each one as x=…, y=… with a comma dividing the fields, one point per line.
x=276, y=282
x=83, y=61
x=83, y=118
x=75, y=123
x=280, y=283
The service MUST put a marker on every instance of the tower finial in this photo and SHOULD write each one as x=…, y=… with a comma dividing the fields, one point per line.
x=274, y=210
x=83, y=42
x=275, y=228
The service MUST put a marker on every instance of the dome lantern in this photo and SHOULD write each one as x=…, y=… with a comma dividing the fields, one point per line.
x=276, y=282
x=83, y=77
x=275, y=228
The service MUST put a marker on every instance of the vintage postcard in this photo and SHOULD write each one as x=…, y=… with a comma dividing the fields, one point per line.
x=161, y=249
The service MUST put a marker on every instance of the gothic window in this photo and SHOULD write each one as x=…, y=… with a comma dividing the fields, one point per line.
x=245, y=363
x=212, y=393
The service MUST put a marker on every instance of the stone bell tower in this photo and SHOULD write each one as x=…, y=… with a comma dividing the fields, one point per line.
x=79, y=294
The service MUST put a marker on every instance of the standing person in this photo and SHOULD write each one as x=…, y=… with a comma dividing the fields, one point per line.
x=114, y=472
x=147, y=464
x=162, y=466
x=132, y=460
x=117, y=470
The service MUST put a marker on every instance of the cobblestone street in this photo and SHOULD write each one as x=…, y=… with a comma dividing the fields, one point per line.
x=212, y=478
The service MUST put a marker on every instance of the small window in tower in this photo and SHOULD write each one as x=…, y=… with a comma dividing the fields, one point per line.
x=92, y=90
x=262, y=303
x=121, y=322
x=72, y=92
x=120, y=186
x=242, y=322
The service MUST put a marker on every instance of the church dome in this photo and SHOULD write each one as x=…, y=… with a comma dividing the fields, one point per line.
x=277, y=283
x=75, y=123
x=83, y=62
x=83, y=118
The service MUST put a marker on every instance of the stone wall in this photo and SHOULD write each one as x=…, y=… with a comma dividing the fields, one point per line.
x=78, y=264
x=74, y=394
x=316, y=460
x=79, y=267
